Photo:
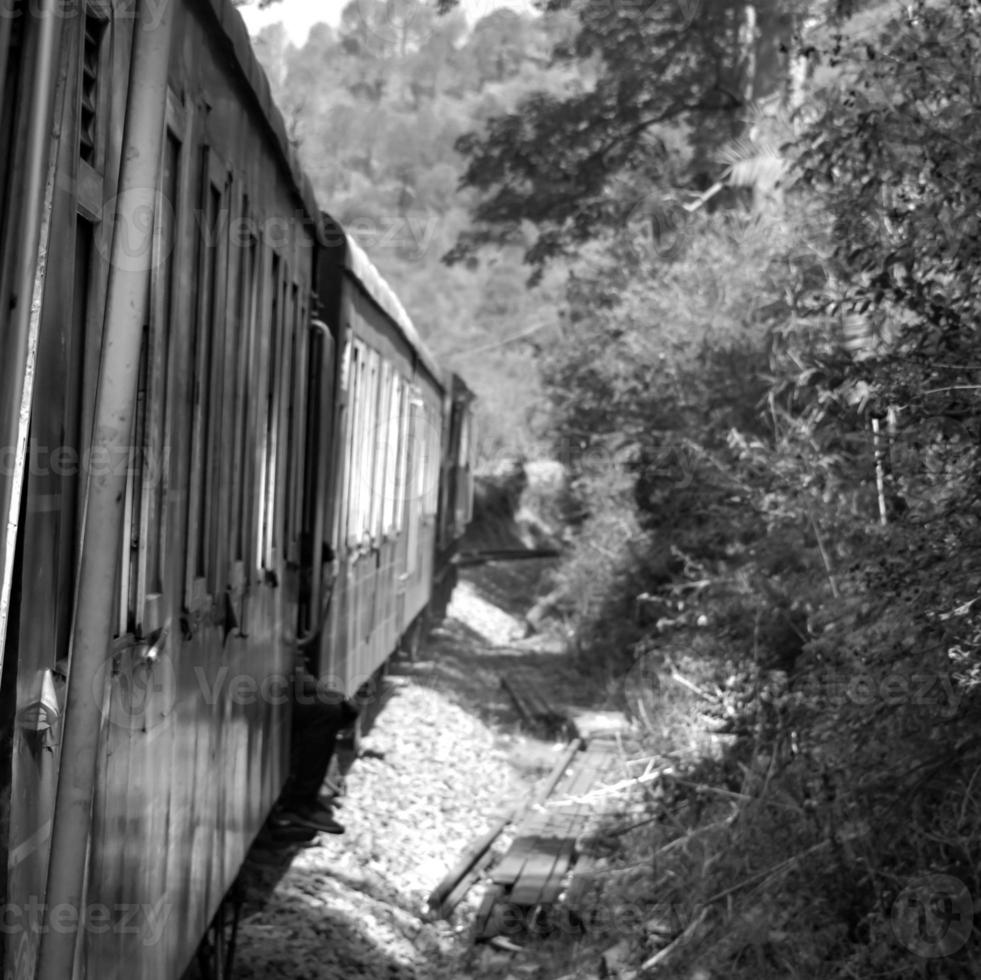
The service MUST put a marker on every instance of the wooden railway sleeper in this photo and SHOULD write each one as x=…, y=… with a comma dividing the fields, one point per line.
x=535, y=710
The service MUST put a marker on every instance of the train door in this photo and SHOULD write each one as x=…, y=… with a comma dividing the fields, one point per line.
x=316, y=550
x=66, y=342
x=11, y=57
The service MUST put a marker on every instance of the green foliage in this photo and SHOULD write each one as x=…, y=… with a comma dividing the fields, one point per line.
x=766, y=394
x=660, y=90
x=796, y=409
x=891, y=153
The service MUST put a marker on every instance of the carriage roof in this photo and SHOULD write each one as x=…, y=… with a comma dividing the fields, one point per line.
x=356, y=260
x=358, y=264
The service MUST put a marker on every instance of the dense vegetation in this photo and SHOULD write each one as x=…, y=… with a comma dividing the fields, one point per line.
x=761, y=226
x=767, y=389
x=375, y=108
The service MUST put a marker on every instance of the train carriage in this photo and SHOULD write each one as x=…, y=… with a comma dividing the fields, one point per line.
x=222, y=442
x=382, y=522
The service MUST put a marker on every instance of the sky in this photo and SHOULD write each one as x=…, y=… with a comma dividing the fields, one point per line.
x=299, y=16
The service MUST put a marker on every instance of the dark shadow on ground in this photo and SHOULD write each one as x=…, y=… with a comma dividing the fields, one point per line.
x=514, y=586
x=467, y=667
x=328, y=944
x=325, y=942
x=266, y=862
x=463, y=666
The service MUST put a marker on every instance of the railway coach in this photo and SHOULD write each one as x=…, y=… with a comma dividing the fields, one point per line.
x=221, y=442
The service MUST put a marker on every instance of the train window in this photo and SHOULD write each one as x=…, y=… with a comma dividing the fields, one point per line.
x=353, y=446
x=291, y=399
x=431, y=463
x=11, y=46
x=144, y=508
x=271, y=436
x=359, y=380
x=294, y=438
x=422, y=459
x=133, y=512
x=360, y=448
x=464, y=503
x=401, y=474
x=162, y=290
x=305, y=460
x=243, y=341
x=393, y=442
x=412, y=481
x=370, y=437
x=91, y=110
x=284, y=397
x=206, y=393
x=381, y=436
x=357, y=449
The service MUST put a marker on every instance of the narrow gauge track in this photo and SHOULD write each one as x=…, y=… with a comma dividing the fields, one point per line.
x=447, y=755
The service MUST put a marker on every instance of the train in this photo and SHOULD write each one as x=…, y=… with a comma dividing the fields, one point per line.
x=224, y=444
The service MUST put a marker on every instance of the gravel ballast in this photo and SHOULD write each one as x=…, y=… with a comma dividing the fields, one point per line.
x=441, y=763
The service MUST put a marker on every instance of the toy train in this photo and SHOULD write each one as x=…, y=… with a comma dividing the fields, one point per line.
x=222, y=442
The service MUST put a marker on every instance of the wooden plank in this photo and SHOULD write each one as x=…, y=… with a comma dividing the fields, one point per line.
x=507, y=872
x=534, y=697
x=556, y=844
x=581, y=878
x=595, y=762
x=567, y=859
x=463, y=885
x=529, y=831
x=524, y=709
x=551, y=888
x=536, y=871
x=538, y=861
x=474, y=854
x=534, y=708
x=558, y=834
x=529, y=828
x=540, y=878
x=483, y=923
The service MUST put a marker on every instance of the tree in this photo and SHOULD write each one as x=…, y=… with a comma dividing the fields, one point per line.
x=498, y=45
x=657, y=91
x=892, y=152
